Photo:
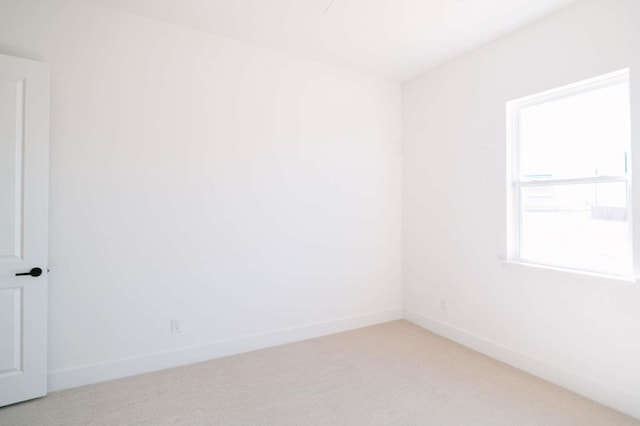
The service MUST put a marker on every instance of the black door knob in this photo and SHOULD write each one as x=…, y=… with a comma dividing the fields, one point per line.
x=34, y=272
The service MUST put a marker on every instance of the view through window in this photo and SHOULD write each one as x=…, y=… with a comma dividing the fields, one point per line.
x=570, y=176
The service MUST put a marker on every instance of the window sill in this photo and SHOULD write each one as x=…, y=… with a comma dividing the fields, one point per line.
x=523, y=264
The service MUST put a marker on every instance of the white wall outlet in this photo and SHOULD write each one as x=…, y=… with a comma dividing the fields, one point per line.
x=443, y=305
x=176, y=325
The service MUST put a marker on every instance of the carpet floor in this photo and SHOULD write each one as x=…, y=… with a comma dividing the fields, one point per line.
x=388, y=374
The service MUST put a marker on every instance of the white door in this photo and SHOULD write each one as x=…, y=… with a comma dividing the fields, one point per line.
x=24, y=181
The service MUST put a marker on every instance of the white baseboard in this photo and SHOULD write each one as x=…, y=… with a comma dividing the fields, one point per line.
x=88, y=374
x=580, y=384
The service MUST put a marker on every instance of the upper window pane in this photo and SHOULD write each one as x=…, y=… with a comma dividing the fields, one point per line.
x=576, y=136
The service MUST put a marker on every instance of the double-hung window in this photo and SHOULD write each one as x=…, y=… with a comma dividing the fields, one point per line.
x=570, y=177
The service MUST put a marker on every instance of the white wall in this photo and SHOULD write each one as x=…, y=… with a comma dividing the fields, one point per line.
x=578, y=331
x=252, y=195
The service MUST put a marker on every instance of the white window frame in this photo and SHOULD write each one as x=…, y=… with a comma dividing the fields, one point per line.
x=515, y=183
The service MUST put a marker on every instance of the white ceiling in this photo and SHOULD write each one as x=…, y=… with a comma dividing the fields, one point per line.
x=394, y=39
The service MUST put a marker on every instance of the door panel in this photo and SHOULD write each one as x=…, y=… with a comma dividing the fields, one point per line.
x=24, y=183
x=11, y=332
x=11, y=125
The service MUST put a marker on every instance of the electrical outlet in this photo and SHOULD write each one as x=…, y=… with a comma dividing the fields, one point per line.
x=443, y=305
x=176, y=325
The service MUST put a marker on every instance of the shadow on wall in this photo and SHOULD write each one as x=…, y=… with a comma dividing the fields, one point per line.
x=20, y=52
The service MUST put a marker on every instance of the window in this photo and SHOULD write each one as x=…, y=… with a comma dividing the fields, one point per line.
x=570, y=177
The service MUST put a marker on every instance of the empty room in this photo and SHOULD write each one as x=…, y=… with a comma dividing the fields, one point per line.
x=319, y=212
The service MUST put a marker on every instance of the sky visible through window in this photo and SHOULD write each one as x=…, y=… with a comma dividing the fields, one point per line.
x=583, y=135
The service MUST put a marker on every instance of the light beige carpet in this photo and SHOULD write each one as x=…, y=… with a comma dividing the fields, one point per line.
x=389, y=374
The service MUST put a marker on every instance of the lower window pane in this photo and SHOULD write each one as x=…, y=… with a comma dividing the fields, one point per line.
x=582, y=226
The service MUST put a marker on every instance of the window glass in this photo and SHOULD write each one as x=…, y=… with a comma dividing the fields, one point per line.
x=571, y=177
x=581, y=226
x=578, y=136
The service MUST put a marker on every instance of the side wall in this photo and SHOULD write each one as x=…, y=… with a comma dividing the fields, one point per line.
x=577, y=331
x=254, y=196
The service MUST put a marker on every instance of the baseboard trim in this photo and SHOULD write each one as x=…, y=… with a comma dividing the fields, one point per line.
x=580, y=384
x=88, y=374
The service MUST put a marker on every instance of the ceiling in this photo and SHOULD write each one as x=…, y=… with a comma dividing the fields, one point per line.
x=392, y=39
